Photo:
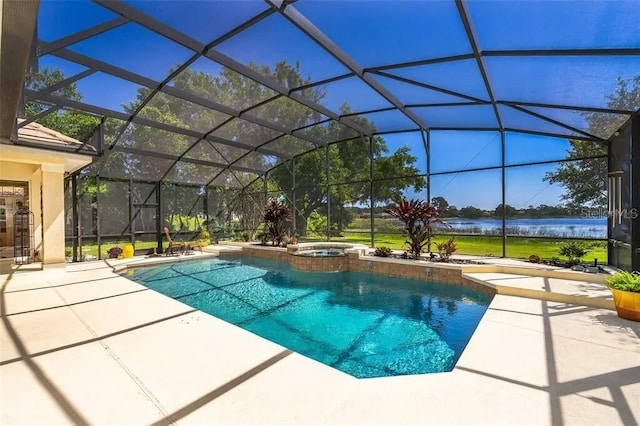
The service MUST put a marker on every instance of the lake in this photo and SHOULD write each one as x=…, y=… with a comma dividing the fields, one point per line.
x=569, y=227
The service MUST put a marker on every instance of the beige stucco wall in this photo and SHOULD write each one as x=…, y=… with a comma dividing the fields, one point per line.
x=44, y=171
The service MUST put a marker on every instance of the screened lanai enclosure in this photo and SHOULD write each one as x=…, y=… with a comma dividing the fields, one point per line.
x=500, y=113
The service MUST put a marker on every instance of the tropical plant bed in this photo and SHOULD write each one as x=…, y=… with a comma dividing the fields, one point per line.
x=427, y=258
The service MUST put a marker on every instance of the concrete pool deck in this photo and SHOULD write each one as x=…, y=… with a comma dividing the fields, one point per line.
x=80, y=344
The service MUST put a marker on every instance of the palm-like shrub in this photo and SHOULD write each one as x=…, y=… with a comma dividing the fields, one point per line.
x=276, y=215
x=418, y=218
x=446, y=249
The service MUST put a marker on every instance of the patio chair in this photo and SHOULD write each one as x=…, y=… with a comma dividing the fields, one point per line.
x=174, y=245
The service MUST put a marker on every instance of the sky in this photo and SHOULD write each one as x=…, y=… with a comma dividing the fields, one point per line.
x=384, y=32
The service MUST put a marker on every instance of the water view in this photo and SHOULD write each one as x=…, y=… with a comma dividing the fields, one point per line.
x=568, y=227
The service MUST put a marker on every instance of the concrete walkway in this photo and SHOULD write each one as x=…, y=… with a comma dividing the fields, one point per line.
x=82, y=345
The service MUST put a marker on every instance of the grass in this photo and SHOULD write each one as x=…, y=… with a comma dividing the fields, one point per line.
x=482, y=245
x=92, y=249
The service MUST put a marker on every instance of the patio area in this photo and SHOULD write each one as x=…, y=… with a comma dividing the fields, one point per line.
x=87, y=346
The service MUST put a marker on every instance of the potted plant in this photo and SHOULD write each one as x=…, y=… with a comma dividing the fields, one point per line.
x=114, y=252
x=625, y=287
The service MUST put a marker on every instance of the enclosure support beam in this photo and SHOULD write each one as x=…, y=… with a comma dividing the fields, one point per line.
x=322, y=40
x=293, y=197
x=159, y=232
x=74, y=217
x=426, y=143
x=504, y=192
x=176, y=36
x=328, y=189
x=371, y=195
x=471, y=35
x=98, y=201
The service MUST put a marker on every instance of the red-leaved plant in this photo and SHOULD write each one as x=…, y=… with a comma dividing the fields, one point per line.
x=276, y=215
x=418, y=218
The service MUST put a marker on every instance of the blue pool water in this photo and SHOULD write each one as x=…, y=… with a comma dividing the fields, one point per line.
x=363, y=324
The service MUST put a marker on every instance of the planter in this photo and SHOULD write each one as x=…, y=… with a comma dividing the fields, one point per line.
x=627, y=304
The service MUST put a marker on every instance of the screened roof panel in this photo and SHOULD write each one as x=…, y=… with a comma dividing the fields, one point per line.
x=599, y=124
x=207, y=79
x=221, y=16
x=603, y=24
x=257, y=161
x=388, y=121
x=57, y=19
x=410, y=94
x=561, y=80
x=67, y=68
x=246, y=132
x=463, y=150
x=327, y=132
x=461, y=76
x=449, y=116
x=228, y=179
x=515, y=119
x=186, y=172
x=227, y=153
x=348, y=95
x=205, y=150
x=244, y=178
x=112, y=128
x=528, y=148
x=178, y=112
x=386, y=32
x=298, y=44
x=275, y=40
x=155, y=140
x=289, y=146
x=124, y=165
x=135, y=49
x=287, y=113
x=121, y=92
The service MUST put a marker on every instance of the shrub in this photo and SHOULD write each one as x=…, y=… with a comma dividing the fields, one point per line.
x=114, y=252
x=276, y=215
x=418, y=218
x=382, y=252
x=625, y=281
x=446, y=249
x=534, y=258
x=204, y=237
x=574, y=251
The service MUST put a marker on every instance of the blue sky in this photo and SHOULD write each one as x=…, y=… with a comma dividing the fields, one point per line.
x=384, y=32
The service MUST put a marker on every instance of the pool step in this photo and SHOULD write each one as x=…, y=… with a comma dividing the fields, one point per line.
x=545, y=288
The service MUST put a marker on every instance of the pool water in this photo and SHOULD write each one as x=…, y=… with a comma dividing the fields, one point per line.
x=365, y=325
x=321, y=253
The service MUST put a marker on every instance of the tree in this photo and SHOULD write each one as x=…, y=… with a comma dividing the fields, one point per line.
x=584, y=180
x=73, y=124
x=471, y=212
x=349, y=160
x=440, y=204
x=510, y=211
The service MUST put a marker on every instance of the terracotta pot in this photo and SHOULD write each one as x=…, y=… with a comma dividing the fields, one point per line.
x=627, y=304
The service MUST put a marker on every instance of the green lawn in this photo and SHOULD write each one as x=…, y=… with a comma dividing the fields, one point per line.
x=482, y=245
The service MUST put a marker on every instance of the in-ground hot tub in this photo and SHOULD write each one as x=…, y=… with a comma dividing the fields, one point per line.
x=323, y=257
x=320, y=253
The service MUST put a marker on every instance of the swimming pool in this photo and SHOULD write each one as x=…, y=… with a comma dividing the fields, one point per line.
x=365, y=325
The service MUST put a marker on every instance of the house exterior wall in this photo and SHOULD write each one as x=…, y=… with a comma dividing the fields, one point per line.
x=44, y=171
